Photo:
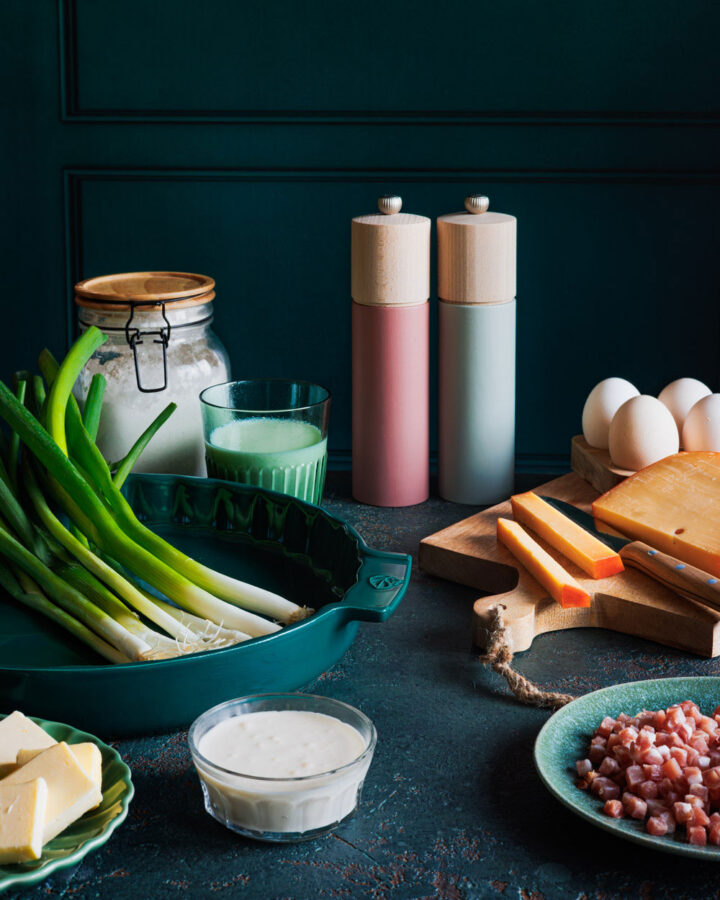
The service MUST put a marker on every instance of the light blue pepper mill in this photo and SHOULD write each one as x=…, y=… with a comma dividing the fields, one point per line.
x=476, y=362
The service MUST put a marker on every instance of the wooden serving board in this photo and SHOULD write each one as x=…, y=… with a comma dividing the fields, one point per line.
x=468, y=553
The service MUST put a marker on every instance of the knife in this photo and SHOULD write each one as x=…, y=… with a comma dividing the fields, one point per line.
x=682, y=578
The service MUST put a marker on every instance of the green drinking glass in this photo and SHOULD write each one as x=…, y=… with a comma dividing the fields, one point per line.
x=270, y=433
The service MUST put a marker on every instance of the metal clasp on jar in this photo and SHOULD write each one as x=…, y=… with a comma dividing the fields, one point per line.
x=134, y=337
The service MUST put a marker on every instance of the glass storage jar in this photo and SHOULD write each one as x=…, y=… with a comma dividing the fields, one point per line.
x=160, y=349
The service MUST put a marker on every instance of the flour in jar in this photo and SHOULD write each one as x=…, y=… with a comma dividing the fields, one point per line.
x=195, y=360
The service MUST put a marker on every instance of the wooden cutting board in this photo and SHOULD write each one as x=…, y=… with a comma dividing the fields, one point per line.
x=630, y=602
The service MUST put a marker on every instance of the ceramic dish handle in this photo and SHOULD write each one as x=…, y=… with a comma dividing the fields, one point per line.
x=382, y=580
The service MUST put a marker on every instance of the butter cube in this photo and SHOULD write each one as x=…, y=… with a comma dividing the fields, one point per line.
x=87, y=754
x=70, y=792
x=22, y=820
x=17, y=732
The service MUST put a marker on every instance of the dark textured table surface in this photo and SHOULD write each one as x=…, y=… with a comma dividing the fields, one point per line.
x=452, y=807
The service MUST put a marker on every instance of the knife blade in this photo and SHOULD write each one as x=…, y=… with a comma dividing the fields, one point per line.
x=678, y=576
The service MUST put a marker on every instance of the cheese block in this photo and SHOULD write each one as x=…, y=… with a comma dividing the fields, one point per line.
x=70, y=792
x=17, y=732
x=87, y=754
x=559, y=583
x=22, y=819
x=583, y=548
x=673, y=505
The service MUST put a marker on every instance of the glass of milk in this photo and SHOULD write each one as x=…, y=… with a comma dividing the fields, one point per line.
x=282, y=767
x=270, y=433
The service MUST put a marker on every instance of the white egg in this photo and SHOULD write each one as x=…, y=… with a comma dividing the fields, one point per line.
x=602, y=403
x=701, y=430
x=680, y=396
x=642, y=432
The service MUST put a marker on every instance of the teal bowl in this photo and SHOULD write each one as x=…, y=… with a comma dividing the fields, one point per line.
x=565, y=738
x=272, y=540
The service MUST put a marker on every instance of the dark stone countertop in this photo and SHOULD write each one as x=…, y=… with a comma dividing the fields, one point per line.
x=452, y=807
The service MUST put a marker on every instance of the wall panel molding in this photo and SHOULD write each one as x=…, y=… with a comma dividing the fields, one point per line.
x=71, y=109
x=75, y=177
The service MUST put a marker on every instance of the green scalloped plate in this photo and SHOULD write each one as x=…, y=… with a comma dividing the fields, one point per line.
x=566, y=735
x=90, y=831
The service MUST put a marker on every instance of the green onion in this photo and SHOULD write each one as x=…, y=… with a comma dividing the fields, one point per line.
x=125, y=466
x=93, y=405
x=30, y=595
x=71, y=600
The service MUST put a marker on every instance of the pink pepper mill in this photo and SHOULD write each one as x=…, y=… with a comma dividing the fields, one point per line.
x=390, y=356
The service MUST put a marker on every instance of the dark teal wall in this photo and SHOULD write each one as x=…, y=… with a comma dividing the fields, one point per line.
x=238, y=139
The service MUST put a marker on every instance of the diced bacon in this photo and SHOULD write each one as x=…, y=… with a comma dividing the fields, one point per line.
x=605, y=727
x=605, y=788
x=609, y=767
x=627, y=736
x=662, y=767
x=648, y=790
x=656, y=826
x=666, y=786
x=614, y=808
x=652, y=756
x=671, y=769
x=700, y=817
x=634, y=806
x=656, y=807
x=652, y=773
x=680, y=755
x=698, y=790
x=699, y=742
x=692, y=757
x=682, y=812
x=675, y=717
x=697, y=835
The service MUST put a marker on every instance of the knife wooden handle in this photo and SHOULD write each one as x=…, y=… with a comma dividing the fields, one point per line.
x=684, y=579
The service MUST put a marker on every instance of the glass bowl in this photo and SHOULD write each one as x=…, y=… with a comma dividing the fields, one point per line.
x=282, y=810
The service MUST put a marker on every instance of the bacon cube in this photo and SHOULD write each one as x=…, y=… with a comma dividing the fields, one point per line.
x=614, y=808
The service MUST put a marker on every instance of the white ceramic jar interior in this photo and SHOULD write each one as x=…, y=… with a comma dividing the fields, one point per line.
x=282, y=809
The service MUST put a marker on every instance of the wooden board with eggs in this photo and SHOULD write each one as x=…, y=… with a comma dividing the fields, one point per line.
x=659, y=513
x=624, y=431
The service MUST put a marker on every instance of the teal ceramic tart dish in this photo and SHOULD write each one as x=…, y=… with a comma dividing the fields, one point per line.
x=90, y=831
x=273, y=540
x=565, y=738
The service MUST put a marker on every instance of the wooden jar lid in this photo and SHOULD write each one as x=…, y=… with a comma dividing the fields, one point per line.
x=476, y=254
x=181, y=289
x=390, y=257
